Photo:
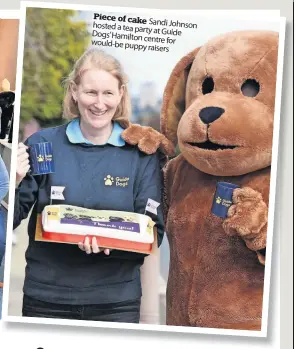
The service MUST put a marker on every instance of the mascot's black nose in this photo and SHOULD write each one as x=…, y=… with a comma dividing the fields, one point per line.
x=210, y=114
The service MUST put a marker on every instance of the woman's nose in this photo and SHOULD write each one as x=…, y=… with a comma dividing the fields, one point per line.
x=99, y=101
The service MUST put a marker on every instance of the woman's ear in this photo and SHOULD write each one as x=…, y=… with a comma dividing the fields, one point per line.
x=73, y=90
x=173, y=105
x=121, y=91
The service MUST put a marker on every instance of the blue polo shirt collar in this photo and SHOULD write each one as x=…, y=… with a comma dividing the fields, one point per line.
x=75, y=135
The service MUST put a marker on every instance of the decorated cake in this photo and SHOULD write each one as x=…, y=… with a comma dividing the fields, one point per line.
x=113, y=229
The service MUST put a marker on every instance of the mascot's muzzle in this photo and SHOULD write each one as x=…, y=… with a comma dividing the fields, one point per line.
x=207, y=116
x=210, y=114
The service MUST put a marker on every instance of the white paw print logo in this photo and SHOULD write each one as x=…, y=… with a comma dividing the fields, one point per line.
x=108, y=180
x=40, y=158
x=218, y=200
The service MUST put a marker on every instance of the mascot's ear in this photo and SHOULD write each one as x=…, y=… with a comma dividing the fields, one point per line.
x=173, y=105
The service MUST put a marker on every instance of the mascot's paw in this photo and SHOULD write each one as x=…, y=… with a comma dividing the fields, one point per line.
x=248, y=214
x=148, y=139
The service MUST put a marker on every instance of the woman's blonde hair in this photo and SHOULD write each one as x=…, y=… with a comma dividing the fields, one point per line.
x=94, y=58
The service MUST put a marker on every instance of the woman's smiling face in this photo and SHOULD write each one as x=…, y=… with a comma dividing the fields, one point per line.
x=97, y=95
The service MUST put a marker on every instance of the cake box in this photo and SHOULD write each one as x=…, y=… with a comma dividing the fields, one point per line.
x=119, y=230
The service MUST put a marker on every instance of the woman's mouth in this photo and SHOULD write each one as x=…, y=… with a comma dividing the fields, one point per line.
x=98, y=112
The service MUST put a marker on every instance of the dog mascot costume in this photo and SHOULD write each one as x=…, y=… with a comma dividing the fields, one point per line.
x=218, y=106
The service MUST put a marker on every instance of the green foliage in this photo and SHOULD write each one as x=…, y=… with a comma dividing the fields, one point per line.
x=54, y=40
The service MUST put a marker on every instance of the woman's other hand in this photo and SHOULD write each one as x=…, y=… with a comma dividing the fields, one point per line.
x=92, y=246
x=23, y=165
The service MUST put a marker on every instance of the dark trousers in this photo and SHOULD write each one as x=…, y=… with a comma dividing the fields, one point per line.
x=128, y=311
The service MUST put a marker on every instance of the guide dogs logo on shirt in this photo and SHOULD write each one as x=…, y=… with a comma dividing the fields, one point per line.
x=109, y=180
x=117, y=181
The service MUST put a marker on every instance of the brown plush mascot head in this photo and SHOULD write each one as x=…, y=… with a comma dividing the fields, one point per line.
x=219, y=103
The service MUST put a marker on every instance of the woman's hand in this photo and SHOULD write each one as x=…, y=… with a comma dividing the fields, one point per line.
x=22, y=165
x=92, y=247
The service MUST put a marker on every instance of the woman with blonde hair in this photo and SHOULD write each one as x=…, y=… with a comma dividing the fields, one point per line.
x=62, y=280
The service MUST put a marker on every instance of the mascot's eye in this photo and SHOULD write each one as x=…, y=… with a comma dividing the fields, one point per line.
x=250, y=88
x=208, y=85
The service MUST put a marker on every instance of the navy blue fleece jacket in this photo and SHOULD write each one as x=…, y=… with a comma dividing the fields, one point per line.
x=62, y=273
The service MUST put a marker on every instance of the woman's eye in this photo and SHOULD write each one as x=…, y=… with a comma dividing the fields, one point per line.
x=109, y=93
x=91, y=93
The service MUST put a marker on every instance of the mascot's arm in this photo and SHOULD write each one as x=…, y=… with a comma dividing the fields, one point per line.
x=247, y=217
x=148, y=139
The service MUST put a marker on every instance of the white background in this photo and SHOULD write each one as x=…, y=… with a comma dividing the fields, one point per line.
x=28, y=336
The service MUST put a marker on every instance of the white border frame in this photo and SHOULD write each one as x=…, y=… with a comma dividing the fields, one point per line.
x=247, y=14
x=9, y=14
